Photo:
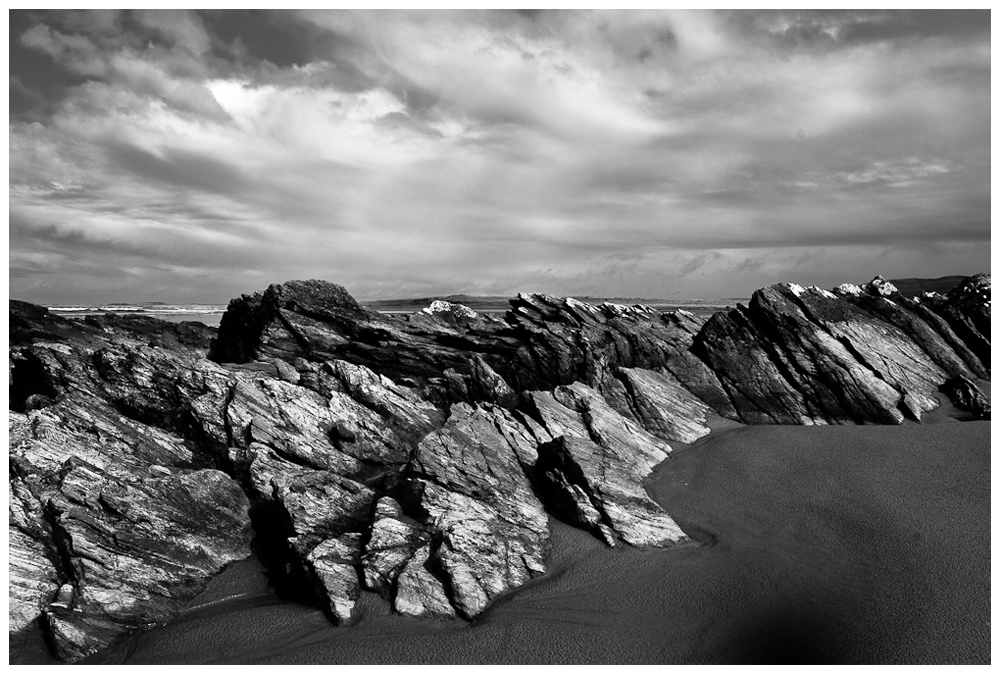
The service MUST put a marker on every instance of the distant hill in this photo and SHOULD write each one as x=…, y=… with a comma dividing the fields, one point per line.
x=910, y=287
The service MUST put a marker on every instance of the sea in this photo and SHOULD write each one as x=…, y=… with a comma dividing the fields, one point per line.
x=211, y=314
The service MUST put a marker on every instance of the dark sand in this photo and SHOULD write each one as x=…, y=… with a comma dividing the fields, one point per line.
x=816, y=545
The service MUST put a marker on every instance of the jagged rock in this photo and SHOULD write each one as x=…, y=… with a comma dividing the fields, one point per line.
x=286, y=371
x=89, y=429
x=967, y=396
x=874, y=342
x=320, y=321
x=334, y=432
x=733, y=347
x=564, y=340
x=948, y=335
x=593, y=419
x=594, y=467
x=322, y=505
x=299, y=449
x=335, y=422
x=258, y=466
x=664, y=406
x=33, y=577
x=967, y=308
x=906, y=317
x=137, y=549
x=487, y=386
x=542, y=342
x=333, y=566
x=476, y=498
x=419, y=592
x=880, y=287
x=393, y=542
x=31, y=324
x=399, y=406
x=280, y=321
x=456, y=312
x=603, y=491
x=798, y=355
x=325, y=515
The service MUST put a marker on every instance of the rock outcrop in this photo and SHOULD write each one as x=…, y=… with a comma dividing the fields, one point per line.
x=115, y=524
x=415, y=456
x=863, y=355
x=592, y=469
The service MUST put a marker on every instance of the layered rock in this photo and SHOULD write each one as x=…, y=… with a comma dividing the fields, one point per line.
x=561, y=341
x=414, y=456
x=664, y=406
x=320, y=321
x=100, y=550
x=460, y=355
x=137, y=549
x=489, y=530
x=313, y=460
x=967, y=308
x=805, y=355
x=592, y=469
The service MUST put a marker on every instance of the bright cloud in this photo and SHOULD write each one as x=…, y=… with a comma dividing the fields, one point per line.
x=195, y=156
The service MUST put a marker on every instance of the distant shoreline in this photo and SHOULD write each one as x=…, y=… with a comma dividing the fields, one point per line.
x=211, y=314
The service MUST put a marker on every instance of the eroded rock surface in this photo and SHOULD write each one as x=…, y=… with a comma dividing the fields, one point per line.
x=416, y=456
x=137, y=549
x=592, y=470
x=863, y=354
x=490, y=530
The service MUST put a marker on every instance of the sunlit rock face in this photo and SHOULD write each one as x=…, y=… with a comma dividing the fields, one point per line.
x=416, y=456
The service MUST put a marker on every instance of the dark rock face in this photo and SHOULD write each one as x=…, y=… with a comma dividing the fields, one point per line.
x=967, y=396
x=320, y=321
x=593, y=468
x=967, y=310
x=416, y=456
x=805, y=355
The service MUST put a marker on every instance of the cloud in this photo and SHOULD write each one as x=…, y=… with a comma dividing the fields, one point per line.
x=597, y=152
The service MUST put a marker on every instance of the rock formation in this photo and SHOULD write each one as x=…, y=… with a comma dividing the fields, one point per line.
x=415, y=456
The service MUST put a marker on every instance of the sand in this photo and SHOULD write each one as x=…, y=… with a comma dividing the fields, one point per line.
x=814, y=545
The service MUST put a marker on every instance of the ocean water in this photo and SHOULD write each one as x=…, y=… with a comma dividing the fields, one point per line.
x=211, y=314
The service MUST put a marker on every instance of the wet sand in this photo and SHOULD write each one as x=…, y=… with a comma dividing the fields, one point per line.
x=814, y=545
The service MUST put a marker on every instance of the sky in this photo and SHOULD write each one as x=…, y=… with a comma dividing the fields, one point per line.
x=194, y=156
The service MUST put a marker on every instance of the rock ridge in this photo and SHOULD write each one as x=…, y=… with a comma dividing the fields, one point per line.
x=415, y=456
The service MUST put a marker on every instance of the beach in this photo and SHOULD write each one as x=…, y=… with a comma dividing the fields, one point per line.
x=839, y=544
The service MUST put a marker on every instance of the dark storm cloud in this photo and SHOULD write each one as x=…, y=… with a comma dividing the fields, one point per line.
x=850, y=27
x=599, y=152
x=182, y=168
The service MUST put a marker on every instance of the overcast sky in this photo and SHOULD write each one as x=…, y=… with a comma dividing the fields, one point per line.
x=185, y=157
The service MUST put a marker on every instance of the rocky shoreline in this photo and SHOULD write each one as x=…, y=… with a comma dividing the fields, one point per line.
x=417, y=456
